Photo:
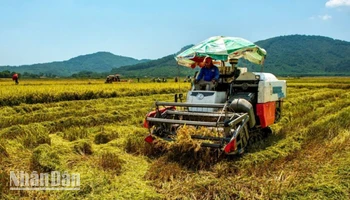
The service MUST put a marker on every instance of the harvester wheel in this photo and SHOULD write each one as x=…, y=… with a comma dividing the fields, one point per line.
x=278, y=115
x=266, y=132
x=259, y=135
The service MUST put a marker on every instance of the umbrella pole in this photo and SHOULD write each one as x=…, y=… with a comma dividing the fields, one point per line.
x=179, y=95
x=262, y=64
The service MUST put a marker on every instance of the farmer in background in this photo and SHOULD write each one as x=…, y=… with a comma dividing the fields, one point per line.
x=15, y=78
x=208, y=75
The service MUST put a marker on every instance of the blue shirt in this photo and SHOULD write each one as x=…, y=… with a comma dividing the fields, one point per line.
x=208, y=74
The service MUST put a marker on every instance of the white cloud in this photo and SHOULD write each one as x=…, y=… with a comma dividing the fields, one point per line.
x=321, y=17
x=337, y=3
x=325, y=17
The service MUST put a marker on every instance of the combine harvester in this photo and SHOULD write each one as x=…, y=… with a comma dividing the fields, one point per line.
x=241, y=108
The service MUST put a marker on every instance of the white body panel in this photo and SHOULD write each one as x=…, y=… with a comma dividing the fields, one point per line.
x=204, y=96
x=243, y=69
x=270, y=88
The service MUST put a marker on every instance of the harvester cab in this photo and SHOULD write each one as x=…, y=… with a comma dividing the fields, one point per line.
x=240, y=108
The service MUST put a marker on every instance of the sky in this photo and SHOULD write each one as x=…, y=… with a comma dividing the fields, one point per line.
x=39, y=31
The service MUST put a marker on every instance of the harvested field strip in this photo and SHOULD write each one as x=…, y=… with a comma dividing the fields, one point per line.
x=292, y=93
x=67, y=122
x=52, y=116
x=312, y=112
x=317, y=80
x=299, y=136
x=26, y=114
x=319, y=85
x=315, y=96
x=68, y=105
x=286, y=181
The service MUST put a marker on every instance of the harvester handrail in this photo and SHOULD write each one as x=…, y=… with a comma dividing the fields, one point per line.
x=216, y=105
x=187, y=122
x=239, y=119
x=222, y=111
x=200, y=114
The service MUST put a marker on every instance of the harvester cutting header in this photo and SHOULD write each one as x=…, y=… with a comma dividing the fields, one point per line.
x=241, y=106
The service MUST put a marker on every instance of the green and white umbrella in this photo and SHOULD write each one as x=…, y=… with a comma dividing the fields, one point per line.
x=222, y=48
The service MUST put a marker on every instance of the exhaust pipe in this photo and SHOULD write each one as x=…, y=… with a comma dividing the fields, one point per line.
x=242, y=105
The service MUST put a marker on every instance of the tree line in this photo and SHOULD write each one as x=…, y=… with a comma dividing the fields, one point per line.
x=9, y=74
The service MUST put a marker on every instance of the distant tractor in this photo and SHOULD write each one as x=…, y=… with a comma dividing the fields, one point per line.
x=112, y=78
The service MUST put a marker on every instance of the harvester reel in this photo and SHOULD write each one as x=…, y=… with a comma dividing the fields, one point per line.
x=160, y=131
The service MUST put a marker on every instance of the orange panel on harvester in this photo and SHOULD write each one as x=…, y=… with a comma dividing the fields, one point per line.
x=266, y=113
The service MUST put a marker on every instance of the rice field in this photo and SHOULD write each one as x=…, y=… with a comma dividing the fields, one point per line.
x=95, y=129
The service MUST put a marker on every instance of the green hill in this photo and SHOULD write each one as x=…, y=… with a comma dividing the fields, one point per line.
x=96, y=62
x=162, y=67
x=305, y=55
x=286, y=55
x=294, y=55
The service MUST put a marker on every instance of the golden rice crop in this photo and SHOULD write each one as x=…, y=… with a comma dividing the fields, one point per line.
x=50, y=92
x=95, y=129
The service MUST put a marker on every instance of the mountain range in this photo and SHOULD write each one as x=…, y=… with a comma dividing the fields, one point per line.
x=96, y=62
x=286, y=55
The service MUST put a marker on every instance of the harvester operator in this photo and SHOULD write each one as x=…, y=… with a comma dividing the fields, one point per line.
x=208, y=75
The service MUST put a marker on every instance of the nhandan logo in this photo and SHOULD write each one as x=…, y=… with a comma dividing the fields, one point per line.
x=21, y=180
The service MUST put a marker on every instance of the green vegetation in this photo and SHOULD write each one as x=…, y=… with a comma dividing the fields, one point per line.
x=96, y=62
x=102, y=138
x=163, y=67
x=6, y=74
x=298, y=55
x=293, y=55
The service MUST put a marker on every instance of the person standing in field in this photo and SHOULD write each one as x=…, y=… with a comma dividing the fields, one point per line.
x=15, y=78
